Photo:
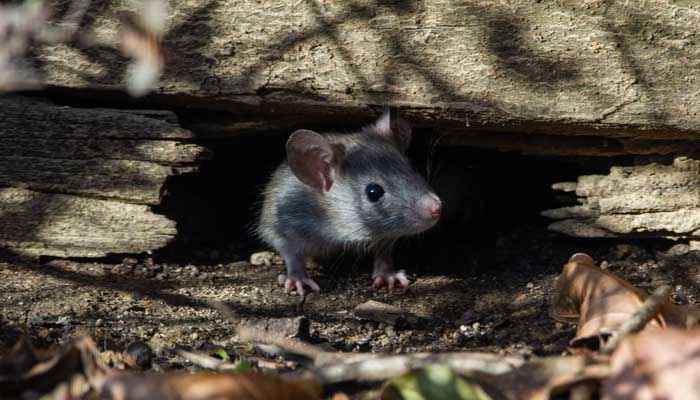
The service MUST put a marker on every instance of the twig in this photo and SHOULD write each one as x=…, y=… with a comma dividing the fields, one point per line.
x=248, y=334
x=649, y=309
x=288, y=344
x=335, y=367
x=376, y=367
x=205, y=361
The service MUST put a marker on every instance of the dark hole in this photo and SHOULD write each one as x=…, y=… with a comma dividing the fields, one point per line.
x=491, y=213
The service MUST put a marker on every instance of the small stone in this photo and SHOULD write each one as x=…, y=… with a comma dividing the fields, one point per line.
x=381, y=312
x=530, y=286
x=476, y=326
x=559, y=326
x=297, y=327
x=138, y=355
x=604, y=265
x=99, y=322
x=265, y=258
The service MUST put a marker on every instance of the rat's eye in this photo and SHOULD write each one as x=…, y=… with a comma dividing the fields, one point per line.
x=374, y=192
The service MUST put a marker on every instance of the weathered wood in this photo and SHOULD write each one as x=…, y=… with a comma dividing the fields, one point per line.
x=132, y=181
x=44, y=224
x=40, y=119
x=94, y=152
x=646, y=200
x=158, y=151
x=79, y=182
x=617, y=69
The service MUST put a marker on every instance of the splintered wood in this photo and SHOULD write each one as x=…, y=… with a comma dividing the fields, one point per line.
x=652, y=200
x=81, y=182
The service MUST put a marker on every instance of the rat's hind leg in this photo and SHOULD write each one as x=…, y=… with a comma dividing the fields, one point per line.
x=383, y=272
x=296, y=276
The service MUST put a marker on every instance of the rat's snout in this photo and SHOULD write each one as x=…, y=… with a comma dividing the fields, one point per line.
x=430, y=207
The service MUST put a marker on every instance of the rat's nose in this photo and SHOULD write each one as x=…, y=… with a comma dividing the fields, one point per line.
x=431, y=206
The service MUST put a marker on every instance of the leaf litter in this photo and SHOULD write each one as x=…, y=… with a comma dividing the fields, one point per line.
x=658, y=362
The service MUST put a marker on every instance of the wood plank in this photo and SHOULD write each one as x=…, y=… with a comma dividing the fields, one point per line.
x=44, y=224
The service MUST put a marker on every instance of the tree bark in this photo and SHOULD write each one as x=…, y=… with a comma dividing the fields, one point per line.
x=80, y=182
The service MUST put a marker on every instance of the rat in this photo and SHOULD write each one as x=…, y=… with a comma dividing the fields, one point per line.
x=337, y=192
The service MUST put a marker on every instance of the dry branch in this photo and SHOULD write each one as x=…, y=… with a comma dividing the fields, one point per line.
x=205, y=361
x=648, y=311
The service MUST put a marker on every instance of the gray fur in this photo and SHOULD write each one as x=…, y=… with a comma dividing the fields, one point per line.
x=307, y=222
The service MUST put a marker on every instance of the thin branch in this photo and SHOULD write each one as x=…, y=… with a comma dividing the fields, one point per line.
x=649, y=309
x=247, y=334
x=290, y=345
x=206, y=361
x=377, y=367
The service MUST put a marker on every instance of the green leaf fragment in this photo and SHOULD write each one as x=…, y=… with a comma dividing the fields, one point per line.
x=244, y=365
x=433, y=383
x=223, y=355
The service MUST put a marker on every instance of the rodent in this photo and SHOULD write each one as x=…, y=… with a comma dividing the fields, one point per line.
x=338, y=192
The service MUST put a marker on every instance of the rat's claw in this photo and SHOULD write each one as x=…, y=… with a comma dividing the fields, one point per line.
x=290, y=283
x=390, y=280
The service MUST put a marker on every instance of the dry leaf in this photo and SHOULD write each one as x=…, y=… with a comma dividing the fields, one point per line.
x=655, y=364
x=27, y=369
x=209, y=386
x=598, y=301
x=539, y=379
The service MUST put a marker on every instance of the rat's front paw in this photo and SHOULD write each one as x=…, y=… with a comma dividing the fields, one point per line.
x=292, y=282
x=390, y=279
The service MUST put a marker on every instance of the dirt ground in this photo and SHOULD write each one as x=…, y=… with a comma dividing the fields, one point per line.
x=500, y=308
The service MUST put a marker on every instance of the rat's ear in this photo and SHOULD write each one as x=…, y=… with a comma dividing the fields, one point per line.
x=312, y=159
x=394, y=128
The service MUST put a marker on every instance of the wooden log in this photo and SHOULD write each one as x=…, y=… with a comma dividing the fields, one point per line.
x=46, y=224
x=80, y=182
x=625, y=70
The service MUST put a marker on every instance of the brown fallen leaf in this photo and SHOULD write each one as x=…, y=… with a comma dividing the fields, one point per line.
x=540, y=379
x=600, y=302
x=28, y=369
x=655, y=364
x=209, y=386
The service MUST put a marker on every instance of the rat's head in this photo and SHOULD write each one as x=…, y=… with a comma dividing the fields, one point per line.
x=368, y=185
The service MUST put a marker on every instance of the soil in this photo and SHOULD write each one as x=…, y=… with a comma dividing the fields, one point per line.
x=500, y=307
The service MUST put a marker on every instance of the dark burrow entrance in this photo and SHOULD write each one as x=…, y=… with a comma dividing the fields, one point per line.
x=492, y=201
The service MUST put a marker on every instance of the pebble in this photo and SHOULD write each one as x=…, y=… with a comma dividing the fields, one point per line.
x=138, y=355
x=265, y=258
